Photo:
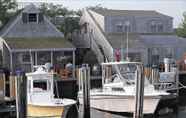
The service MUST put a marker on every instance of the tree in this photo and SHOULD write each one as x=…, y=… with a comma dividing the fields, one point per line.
x=7, y=10
x=97, y=7
x=69, y=24
x=52, y=10
x=181, y=30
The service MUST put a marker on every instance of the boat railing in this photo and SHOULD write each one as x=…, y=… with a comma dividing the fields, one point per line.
x=162, y=80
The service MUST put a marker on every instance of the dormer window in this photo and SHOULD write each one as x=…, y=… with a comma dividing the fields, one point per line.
x=32, y=17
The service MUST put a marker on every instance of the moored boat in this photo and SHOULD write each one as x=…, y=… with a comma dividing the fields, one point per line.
x=40, y=96
x=118, y=89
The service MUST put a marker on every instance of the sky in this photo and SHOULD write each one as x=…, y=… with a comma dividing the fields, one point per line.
x=173, y=8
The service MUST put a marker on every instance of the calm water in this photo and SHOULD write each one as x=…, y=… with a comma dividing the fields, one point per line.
x=99, y=114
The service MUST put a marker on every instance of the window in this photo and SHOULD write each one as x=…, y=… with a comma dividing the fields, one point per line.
x=156, y=26
x=136, y=57
x=160, y=27
x=119, y=28
x=153, y=26
x=155, y=56
x=169, y=52
x=40, y=85
x=32, y=17
x=127, y=26
x=24, y=58
x=43, y=57
x=123, y=27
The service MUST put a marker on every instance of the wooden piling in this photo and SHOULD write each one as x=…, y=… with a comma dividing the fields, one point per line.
x=20, y=95
x=138, y=113
x=86, y=88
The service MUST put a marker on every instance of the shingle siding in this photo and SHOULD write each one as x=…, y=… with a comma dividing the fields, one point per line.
x=139, y=20
x=145, y=39
x=111, y=23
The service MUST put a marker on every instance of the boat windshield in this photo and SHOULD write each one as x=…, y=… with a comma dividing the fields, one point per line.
x=119, y=73
x=41, y=85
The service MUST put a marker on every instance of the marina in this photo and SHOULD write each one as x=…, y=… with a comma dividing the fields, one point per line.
x=96, y=62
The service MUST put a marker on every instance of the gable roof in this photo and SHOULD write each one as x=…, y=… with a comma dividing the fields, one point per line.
x=144, y=13
x=16, y=28
x=25, y=44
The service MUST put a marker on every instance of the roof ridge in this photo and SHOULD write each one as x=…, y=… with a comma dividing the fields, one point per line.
x=12, y=23
x=119, y=12
x=16, y=28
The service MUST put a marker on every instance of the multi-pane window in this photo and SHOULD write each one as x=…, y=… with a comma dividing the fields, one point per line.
x=24, y=58
x=160, y=27
x=123, y=27
x=169, y=52
x=156, y=26
x=155, y=56
x=119, y=28
x=127, y=27
x=153, y=26
x=32, y=17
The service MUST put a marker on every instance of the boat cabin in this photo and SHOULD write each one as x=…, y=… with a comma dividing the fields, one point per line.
x=40, y=86
x=117, y=74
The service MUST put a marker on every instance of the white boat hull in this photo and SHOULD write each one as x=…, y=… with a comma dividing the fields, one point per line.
x=122, y=103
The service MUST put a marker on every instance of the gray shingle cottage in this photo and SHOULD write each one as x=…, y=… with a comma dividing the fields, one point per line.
x=150, y=35
x=31, y=39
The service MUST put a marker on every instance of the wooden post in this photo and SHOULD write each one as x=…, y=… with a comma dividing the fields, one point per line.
x=11, y=62
x=73, y=63
x=138, y=113
x=36, y=58
x=20, y=95
x=31, y=60
x=17, y=96
x=177, y=89
x=51, y=58
x=86, y=89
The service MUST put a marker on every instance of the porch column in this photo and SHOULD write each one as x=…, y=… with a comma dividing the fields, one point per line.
x=31, y=61
x=73, y=62
x=11, y=62
x=51, y=58
x=36, y=58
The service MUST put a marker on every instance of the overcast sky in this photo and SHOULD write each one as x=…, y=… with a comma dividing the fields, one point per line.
x=174, y=8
